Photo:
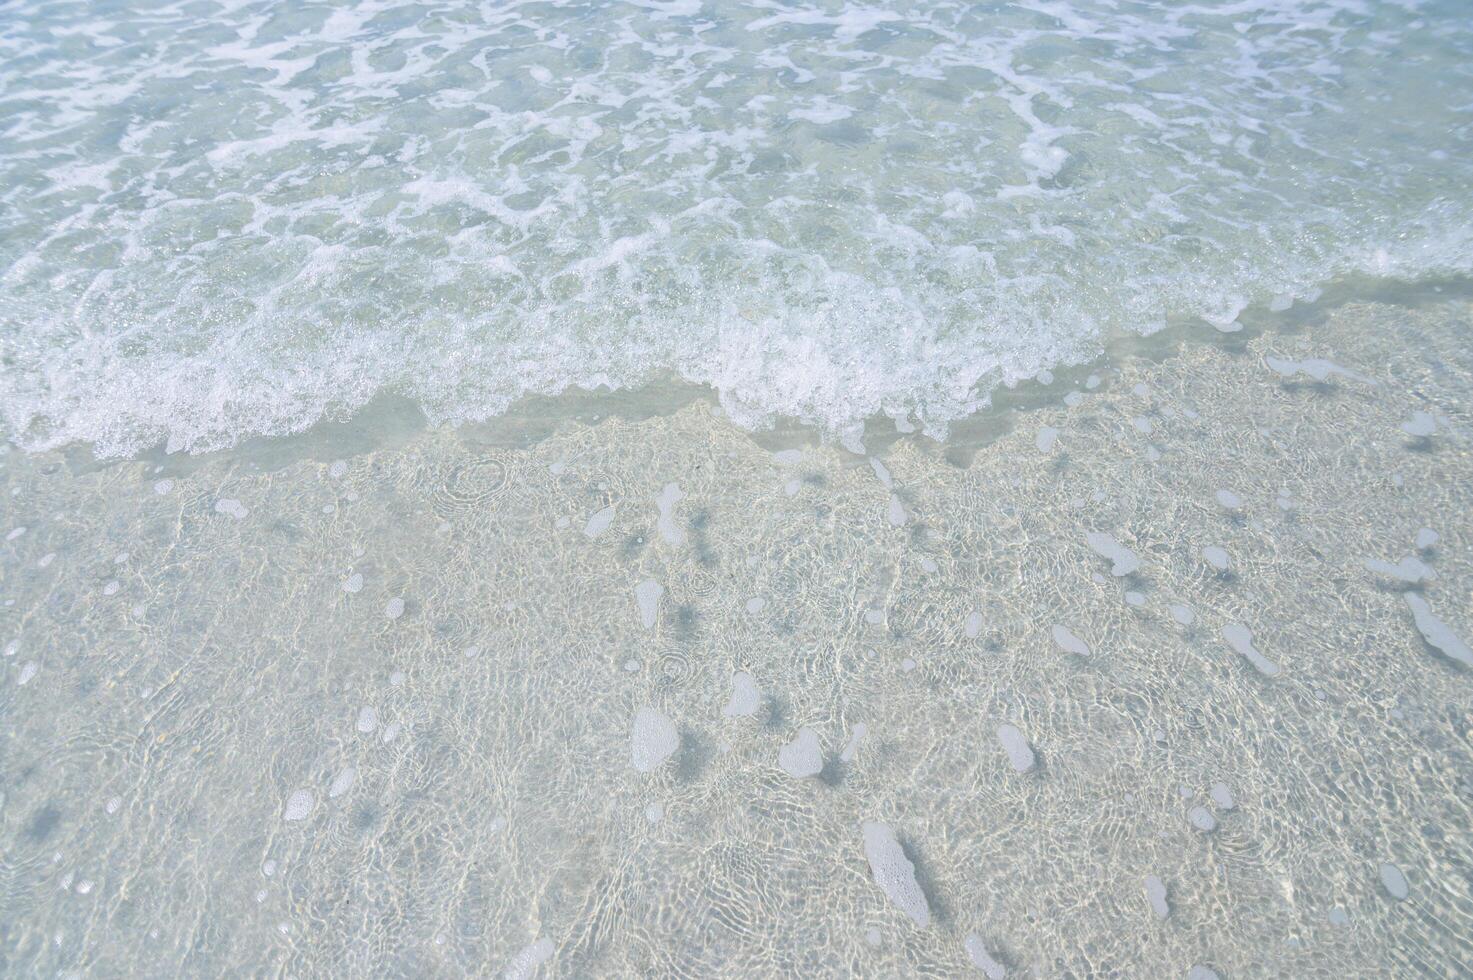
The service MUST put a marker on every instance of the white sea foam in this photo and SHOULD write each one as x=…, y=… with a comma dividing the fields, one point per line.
x=1068, y=642
x=1437, y=633
x=982, y=959
x=745, y=698
x=299, y=805
x=803, y=756
x=1156, y=896
x=848, y=243
x=1240, y=638
x=342, y=782
x=1394, y=882
x=647, y=597
x=652, y=739
x=894, y=872
x=666, y=524
x=1123, y=560
x=1410, y=570
x=1019, y=752
x=526, y=962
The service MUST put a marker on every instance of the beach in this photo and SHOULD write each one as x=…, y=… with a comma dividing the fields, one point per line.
x=800, y=488
x=1157, y=664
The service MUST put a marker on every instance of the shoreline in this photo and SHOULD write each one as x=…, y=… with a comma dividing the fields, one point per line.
x=388, y=418
x=652, y=695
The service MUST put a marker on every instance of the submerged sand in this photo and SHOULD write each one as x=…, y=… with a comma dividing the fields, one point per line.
x=1137, y=675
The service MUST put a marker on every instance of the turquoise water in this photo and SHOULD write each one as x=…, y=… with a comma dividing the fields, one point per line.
x=1169, y=680
x=709, y=490
x=220, y=220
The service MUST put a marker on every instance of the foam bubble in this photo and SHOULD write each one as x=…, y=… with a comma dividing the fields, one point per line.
x=1202, y=819
x=746, y=696
x=299, y=805
x=231, y=506
x=652, y=739
x=1422, y=425
x=1409, y=571
x=599, y=522
x=647, y=597
x=1068, y=642
x=1156, y=896
x=1240, y=638
x=982, y=959
x=1019, y=752
x=802, y=756
x=1124, y=561
x=1438, y=634
x=526, y=962
x=1394, y=882
x=894, y=873
x=342, y=782
x=1316, y=369
x=673, y=534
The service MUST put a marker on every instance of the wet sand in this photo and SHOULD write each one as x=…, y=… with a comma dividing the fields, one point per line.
x=1158, y=666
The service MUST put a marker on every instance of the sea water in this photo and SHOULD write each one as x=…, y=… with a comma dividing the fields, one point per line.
x=220, y=220
x=691, y=489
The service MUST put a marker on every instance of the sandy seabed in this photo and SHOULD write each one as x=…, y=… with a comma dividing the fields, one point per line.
x=1159, y=671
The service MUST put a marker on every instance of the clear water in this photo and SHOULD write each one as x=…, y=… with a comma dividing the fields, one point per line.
x=1135, y=642
x=220, y=220
x=600, y=691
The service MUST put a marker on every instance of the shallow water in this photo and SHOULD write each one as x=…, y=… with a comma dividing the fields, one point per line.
x=611, y=687
x=228, y=218
x=668, y=488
